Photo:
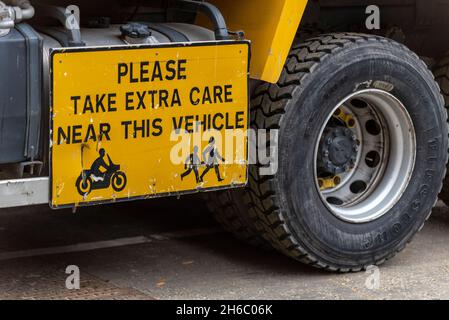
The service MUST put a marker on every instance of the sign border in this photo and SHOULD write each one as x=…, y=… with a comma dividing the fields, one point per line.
x=54, y=51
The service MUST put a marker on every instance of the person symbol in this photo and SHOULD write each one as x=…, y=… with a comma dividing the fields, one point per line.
x=211, y=157
x=191, y=164
x=99, y=167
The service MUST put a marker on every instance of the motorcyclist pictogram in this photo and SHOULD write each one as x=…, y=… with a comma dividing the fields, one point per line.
x=101, y=175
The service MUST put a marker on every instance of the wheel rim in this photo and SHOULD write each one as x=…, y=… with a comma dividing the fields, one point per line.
x=365, y=156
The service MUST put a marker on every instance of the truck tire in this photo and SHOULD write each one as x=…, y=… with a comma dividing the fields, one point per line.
x=362, y=152
x=230, y=208
x=441, y=73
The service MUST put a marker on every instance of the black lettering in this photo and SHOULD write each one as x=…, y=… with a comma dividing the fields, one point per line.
x=105, y=128
x=206, y=96
x=131, y=75
x=88, y=105
x=75, y=103
x=90, y=134
x=63, y=136
x=157, y=72
x=112, y=102
x=197, y=100
x=214, y=121
x=144, y=71
x=152, y=93
x=122, y=71
x=177, y=124
x=218, y=91
x=140, y=129
x=147, y=127
x=141, y=96
x=76, y=134
x=99, y=103
x=189, y=123
x=157, y=124
x=126, y=125
x=228, y=93
x=129, y=100
x=163, y=96
x=171, y=71
x=176, y=100
x=182, y=69
x=239, y=117
x=228, y=124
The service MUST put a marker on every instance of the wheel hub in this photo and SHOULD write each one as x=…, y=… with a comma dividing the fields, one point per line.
x=338, y=152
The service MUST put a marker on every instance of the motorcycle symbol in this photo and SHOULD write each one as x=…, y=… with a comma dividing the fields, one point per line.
x=91, y=179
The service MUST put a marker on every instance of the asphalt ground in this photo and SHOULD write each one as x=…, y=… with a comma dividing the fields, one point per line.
x=172, y=249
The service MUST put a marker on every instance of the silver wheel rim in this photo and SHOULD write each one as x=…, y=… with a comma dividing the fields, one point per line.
x=365, y=156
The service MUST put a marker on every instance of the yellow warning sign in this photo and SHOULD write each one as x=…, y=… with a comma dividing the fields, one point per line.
x=133, y=122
